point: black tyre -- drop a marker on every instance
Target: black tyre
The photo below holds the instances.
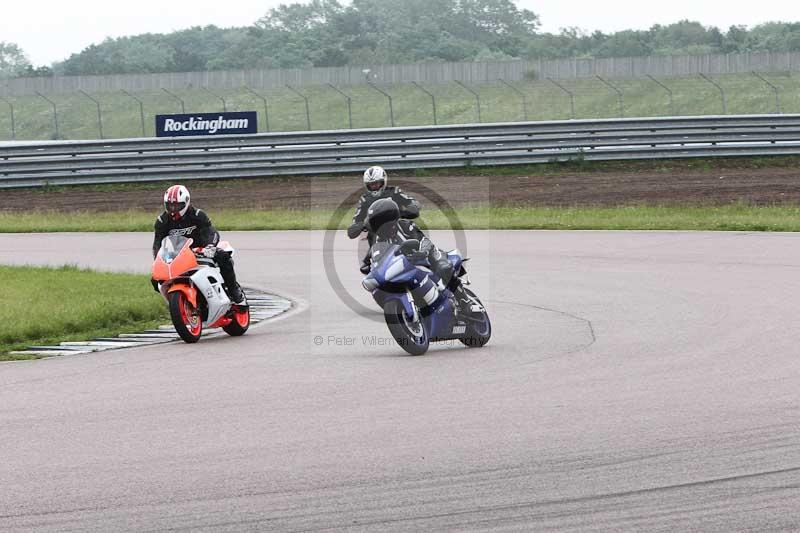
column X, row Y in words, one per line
column 411, row 336
column 240, row 322
column 185, row 317
column 479, row 327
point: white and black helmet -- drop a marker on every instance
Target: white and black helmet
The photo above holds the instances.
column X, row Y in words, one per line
column 375, row 180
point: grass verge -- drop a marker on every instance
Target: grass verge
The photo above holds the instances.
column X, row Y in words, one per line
column 731, row 217
column 327, row 109
column 42, row 306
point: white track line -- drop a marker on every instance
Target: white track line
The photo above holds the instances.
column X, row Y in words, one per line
column 263, row 306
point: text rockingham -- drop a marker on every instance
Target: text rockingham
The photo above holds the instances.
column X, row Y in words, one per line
column 210, row 126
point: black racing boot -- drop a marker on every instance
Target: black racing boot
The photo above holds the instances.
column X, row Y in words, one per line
column 237, row 295
column 366, row 264
column 225, row 263
column 463, row 299
column 233, row 289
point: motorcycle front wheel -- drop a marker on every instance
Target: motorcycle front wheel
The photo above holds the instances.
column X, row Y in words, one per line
column 410, row 335
column 185, row 317
column 479, row 327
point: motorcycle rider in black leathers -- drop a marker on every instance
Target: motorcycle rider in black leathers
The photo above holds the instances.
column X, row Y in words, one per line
column 182, row 218
column 383, row 219
column 375, row 179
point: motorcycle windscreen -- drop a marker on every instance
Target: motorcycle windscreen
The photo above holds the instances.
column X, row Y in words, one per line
column 380, row 251
column 171, row 247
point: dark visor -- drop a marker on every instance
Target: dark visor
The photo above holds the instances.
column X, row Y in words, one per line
column 375, row 185
column 175, row 207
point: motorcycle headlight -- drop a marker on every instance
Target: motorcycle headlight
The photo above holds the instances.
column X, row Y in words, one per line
column 369, row 283
column 396, row 268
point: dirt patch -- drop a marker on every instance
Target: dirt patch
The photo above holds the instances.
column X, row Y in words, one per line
column 664, row 185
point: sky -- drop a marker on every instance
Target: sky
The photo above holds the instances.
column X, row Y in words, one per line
column 51, row 30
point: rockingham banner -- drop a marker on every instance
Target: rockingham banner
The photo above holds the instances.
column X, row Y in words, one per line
column 207, row 124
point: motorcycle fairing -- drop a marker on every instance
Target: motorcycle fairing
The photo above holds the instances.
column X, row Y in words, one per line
column 208, row 281
column 395, row 277
column 184, row 287
column 455, row 258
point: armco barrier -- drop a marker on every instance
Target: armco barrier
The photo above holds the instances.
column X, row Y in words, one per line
column 226, row 157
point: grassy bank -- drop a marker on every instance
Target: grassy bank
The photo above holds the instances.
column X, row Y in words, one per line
column 733, row 217
column 77, row 114
column 42, row 306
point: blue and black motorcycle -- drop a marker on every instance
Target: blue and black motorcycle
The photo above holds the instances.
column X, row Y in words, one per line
column 418, row 307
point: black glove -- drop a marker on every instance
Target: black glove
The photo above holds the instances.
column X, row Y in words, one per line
column 426, row 245
column 417, row 256
column 422, row 253
column 355, row 229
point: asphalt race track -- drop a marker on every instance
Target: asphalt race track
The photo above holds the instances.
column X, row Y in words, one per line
column 635, row 382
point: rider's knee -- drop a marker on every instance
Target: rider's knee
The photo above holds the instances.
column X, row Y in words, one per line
column 445, row 269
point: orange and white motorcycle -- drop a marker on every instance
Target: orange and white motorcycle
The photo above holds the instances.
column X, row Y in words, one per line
column 192, row 285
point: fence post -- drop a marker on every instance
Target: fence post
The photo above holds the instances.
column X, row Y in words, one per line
column 522, row 94
column 305, row 99
column 477, row 98
column 55, row 113
column 178, row 98
column 433, row 100
column 616, row 90
column 774, row 88
column 141, row 108
column 263, row 99
column 669, row 93
column 721, row 92
column 99, row 113
column 349, row 103
column 569, row 93
column 13, row 124
column 389, row 97
column 220, row 98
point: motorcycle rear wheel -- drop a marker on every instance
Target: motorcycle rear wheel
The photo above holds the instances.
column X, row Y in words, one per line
column 411, row 337
column 185, row 317
column 240, row 322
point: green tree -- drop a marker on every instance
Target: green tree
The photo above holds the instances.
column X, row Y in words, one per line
column 335, row 33
column 625, row 43
column 569, row 42
column 775, row 37
column 303, row 34
column 13, row 61
column 735, row 40
column 676, row 38
column 36, row 72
